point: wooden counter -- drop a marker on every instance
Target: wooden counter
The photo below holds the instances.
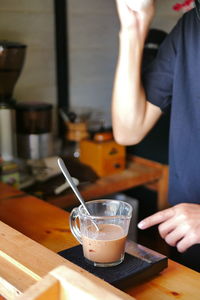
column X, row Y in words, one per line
column 49, row 226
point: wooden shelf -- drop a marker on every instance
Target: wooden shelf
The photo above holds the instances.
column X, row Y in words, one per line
column 139, row 171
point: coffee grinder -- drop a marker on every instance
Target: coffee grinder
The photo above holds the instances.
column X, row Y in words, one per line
column 34, row 130
column 12, row 57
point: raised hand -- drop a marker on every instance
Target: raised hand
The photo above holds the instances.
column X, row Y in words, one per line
column 135, row 15
column 139, row 5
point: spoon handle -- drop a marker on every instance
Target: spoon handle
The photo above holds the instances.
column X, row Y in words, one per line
column 71, row 183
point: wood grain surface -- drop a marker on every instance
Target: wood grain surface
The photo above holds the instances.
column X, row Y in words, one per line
column 49, row 226
column 139, row 171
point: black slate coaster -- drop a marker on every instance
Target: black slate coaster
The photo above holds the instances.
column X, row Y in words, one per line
column 131, row 271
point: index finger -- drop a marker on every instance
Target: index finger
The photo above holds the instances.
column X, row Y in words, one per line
column 156, row 218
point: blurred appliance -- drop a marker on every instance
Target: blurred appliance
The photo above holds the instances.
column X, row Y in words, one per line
column 34, row 125
column 11, row 62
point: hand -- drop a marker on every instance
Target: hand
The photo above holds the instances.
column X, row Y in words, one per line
column 133, row 12
column 179, row 225
column 138, row 5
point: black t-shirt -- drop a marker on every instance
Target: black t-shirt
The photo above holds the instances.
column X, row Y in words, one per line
column 173, row 79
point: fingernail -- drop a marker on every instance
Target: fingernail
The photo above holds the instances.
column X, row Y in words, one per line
column 141, row 225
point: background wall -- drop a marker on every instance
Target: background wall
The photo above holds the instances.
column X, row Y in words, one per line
column 32, row 23
column 93, row 42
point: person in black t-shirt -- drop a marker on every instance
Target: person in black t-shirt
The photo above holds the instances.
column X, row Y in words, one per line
column 139, row 100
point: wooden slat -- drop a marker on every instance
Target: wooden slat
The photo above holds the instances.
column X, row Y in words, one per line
column 11, row 261
column 70, row 285
column 47, row 289
column 8, row 290
column 34, row 261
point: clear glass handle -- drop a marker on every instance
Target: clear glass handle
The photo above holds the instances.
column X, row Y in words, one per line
column 73, row 225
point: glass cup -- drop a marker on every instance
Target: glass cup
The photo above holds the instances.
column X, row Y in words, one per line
column 102, row 233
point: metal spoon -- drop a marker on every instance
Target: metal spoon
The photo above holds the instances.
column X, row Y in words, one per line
column 73, row 186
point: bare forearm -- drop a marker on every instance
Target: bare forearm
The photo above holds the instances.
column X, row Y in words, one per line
column 129, row 101
column 133, row 116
